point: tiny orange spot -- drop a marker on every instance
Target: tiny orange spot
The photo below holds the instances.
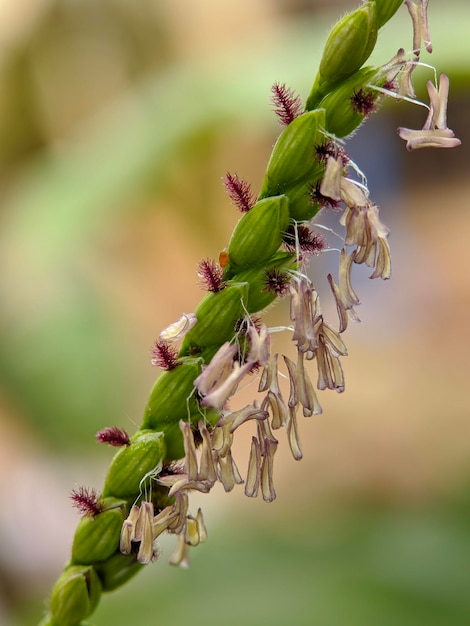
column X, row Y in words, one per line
column 223, row 258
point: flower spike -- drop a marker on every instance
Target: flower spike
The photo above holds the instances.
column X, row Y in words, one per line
column 185, row 442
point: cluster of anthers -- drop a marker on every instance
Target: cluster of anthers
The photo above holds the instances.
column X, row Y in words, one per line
column 208, row 457
column 435, row 132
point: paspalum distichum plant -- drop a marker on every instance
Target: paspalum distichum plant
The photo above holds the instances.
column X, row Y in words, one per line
column 184, row 441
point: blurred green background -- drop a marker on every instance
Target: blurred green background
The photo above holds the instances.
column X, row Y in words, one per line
column 117, row 121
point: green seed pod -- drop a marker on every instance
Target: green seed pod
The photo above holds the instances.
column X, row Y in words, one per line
column 347, row 48
column 216, row 315
column 75, row 596
column 132, row 463
column 117, row 570
column 259, row 298
column 171, row 399
column 386, row 9
column 301, row 207
column 258, row 234
column 97, row 538
column 293, row 154
column 343, row 116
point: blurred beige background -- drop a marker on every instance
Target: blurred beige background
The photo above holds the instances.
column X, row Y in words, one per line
column 117, row 121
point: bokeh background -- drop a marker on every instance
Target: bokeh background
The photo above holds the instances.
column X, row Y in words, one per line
column 117, row 121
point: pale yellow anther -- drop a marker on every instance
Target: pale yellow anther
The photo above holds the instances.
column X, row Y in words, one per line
column 177, row 330
column 330, row 186
column 307, row 396
column 191, row 531
column 228, row 473
column 180, row 553
column 207, row 471
column 264, row 429
column 163, row 520
column 341, row 309
column 254, row 470
column 144, row 533
column 267, row 478
column 293, row 435
column 128, row 530
column 190, row 458
column 347, row 294
column 259, row 345
column 293, row 393
column 201, row 526
column 181, row 506
column 237, row 418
